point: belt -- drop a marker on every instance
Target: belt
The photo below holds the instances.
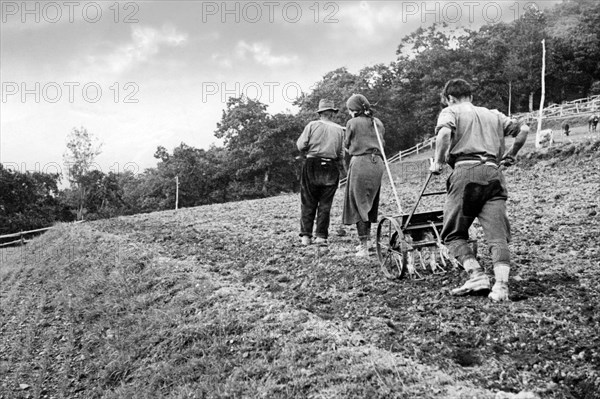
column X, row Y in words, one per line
column 321, row 159
column 475, row 162
column 369, row 153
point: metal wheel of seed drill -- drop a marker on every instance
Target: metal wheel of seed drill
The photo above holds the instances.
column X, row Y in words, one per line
column 407, row 240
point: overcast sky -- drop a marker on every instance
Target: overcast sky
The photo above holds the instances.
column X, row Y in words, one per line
column 146, row 73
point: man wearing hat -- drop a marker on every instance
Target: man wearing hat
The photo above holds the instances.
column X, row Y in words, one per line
column 322, row 142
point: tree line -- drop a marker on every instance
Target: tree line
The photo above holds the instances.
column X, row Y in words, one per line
column 259, row 157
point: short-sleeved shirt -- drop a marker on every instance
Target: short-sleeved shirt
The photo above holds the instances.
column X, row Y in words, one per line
column 476, row 131
column 322, row 139
column 360, row 137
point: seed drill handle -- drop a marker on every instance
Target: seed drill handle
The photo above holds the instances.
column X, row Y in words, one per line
column 387, row 167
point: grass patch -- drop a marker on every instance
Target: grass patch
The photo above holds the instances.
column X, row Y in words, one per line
column 96, row 316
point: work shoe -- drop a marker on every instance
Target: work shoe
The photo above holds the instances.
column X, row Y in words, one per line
column 479, row 283
column 499, row 292
column 363, row 253
column 320, row 241
column 306, row 240
column 363, row 249
column 360, row 247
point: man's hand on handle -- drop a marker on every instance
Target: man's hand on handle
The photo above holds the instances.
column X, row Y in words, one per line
column 508, row 161
column 435, row 168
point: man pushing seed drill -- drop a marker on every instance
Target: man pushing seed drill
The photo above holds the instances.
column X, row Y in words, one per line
column 471, row 140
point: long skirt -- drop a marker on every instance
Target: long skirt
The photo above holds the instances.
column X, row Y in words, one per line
column 361, row 201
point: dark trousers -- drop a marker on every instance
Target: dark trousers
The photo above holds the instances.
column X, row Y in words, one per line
column 476, row 192
column 319, row 183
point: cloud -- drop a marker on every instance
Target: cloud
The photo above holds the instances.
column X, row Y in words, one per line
column 261, row 53
column 222, row 60
column 145, row 43
column 367, row 21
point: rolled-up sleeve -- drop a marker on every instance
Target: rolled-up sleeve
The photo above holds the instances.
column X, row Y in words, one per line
column 302, row 142
column 511, row 127
column 447, row 118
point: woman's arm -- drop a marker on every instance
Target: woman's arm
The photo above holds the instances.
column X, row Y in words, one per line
column 348, row 134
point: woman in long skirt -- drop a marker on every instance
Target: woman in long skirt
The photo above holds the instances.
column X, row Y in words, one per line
column 361, row 202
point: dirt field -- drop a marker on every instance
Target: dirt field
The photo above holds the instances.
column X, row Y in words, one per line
column 221, row 301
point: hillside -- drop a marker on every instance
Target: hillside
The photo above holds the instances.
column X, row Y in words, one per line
column 221, row 301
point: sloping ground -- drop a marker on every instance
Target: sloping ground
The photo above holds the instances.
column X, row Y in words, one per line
column 163, row 312
column 222, row 301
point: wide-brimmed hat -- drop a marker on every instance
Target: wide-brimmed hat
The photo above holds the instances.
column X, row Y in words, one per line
column 326, row 105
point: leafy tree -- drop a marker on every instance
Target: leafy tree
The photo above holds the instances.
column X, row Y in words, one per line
column 279, row 151
column 337, row 85
column 29, row 201
column 146, row 192
column 194, row 170
column 112, row 196
column 529, row 31
column 426, row 60
column 575, row 52
column 377, row 83
column 82, row 149
column 503, row 61
column 257, row 143
column 103, row 195
column 204, row 177
column 222, row 174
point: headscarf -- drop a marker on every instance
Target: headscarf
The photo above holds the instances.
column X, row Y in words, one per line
column 359, row 104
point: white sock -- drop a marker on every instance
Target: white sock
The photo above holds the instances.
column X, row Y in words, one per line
column 501, row 272
column 471, row 265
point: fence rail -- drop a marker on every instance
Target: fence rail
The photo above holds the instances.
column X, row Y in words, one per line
column 22, row 235
column 582, row 106
column 404, row 153
column 413, row 150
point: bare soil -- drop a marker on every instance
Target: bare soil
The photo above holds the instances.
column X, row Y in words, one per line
column 223, row 301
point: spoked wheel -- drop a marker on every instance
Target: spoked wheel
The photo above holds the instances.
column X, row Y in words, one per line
column 390, row 251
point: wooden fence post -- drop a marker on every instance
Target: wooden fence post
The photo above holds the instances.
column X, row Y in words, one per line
column 541, row 113
column 176, row 192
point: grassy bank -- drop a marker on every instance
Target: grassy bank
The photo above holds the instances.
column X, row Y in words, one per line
column 90, row 314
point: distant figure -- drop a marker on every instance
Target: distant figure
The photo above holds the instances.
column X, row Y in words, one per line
column 471, row 140
column 361, row 202
column 593, row 123
column 322, row 142
column 565, row 127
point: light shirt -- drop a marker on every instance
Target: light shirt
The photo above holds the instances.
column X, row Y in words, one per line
column 322, row 139
column 476, row 131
